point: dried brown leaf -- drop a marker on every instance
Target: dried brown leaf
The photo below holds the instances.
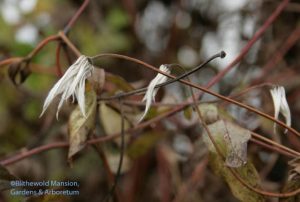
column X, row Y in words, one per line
column 235, row 154
column 80, row 126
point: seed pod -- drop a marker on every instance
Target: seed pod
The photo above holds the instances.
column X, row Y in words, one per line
column 19, row 71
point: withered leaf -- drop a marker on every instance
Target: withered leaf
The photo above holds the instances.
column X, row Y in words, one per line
column 111, row 120
column 295, row 171
column 19, row 71
column 235, row 156
column 234, row 138
column 80, row 126
column 293, row 181
column 119, row 82
column 98, row 79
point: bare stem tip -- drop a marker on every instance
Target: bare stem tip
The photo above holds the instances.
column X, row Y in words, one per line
column 222, row 54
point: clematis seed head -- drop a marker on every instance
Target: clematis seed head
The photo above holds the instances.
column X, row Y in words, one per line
column 280, row 105
column 71, row 84
column 152, row 91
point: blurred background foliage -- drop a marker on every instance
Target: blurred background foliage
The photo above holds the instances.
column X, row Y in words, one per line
column 158, row 32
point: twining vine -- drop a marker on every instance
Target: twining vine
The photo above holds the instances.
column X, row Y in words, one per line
column 22, row 65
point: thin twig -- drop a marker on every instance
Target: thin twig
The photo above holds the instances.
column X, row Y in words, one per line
column 76, row 16
column 41, row 45
column 278, row 55
column 134, row 92
column 69, row 43
column 9, row 61
column 236, row 95
column 25, row 154
column 58, row 67
column 247, row 47
column 122, row 149
column 110, row 175
column 204, row 89
column 235, row 174
column 67, row 53
column 270, row 147
column 32, row 53
column 271, row 142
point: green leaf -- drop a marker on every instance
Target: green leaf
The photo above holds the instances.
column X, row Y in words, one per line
column 80, row 126
column 235, row 154
column 5, row 179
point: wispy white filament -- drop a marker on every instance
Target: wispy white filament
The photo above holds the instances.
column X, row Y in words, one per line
column 72, row 83
column 280, row 105
column 152, row 91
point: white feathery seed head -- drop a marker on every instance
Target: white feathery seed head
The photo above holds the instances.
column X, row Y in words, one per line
column 72, row 83
column 280, row 105
column 152, row 91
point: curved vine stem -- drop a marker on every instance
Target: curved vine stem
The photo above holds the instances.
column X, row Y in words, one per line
column 252, row 109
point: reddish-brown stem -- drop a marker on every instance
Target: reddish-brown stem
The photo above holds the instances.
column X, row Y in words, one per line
column 157, row 104
column 31, row 152
column 58, row 67
column 270, row 147
column 247, row 47
column 199, row 88
column 32, row 53
column 271, row 142
column 234, row 172
column 69, row 44
column 76, row 16
column 53, row 38
column 262, row 192
column 278, row 55
column 41, row 45
column 22, row 155
column 9, row 61
column 67, row 54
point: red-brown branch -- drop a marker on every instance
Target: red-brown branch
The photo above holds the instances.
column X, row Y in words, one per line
column 58, row 67
column 203, row 89
column 41, row 45
column 279, row 54
column 76, row 16
column 247, row 47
